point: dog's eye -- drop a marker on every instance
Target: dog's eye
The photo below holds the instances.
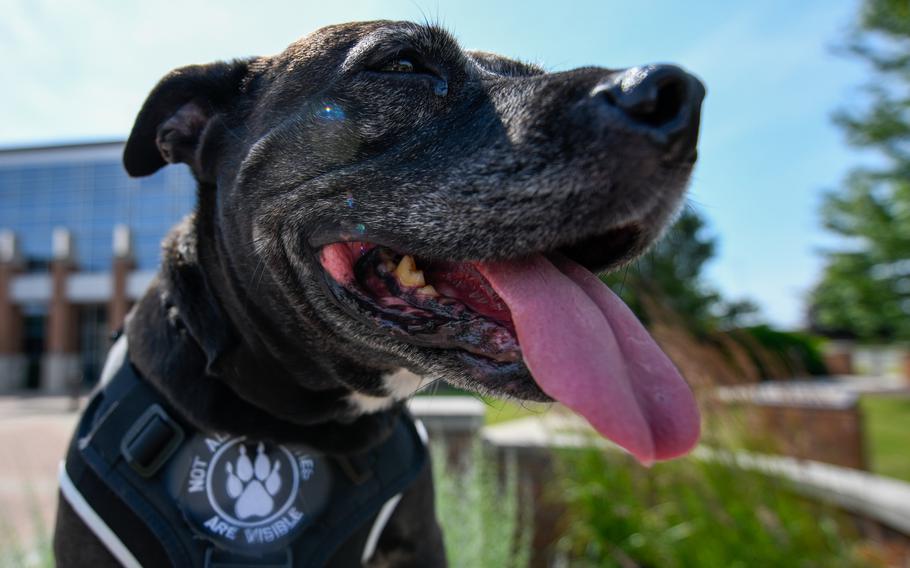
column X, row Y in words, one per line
column 405, row 62
column 412, row 65
column 400, row 65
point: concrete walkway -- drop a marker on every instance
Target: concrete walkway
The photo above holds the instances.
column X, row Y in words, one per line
column 34, row 432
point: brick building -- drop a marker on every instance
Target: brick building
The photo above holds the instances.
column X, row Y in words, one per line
column 79, row 242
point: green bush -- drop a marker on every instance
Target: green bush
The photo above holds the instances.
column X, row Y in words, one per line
column 479, row 511
column 693, row 513
column 801, row 353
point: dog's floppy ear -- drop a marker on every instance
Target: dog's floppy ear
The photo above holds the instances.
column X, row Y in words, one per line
column 171, row 125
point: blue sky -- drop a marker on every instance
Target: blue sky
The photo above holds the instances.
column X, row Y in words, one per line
column 79, row 70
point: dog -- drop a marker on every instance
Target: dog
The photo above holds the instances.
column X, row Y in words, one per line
column 374, row 198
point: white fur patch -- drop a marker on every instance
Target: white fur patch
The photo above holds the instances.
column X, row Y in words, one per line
column 400, row 385
column 366, row 404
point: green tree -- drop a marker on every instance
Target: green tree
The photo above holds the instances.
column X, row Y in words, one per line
column 666, row 287
column 670, row 277
column 865, row 288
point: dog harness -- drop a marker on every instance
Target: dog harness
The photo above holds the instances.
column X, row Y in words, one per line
column 158, row 492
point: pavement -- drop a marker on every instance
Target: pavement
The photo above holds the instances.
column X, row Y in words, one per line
column 34, row 431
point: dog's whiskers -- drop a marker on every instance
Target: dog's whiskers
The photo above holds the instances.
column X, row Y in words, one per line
column 625, row 273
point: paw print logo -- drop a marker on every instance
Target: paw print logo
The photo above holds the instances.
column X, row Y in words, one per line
column 252, row 497
column 253, row 483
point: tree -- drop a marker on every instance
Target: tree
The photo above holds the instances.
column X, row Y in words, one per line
column 670, row 277
column 713, row 340
column 865, row 288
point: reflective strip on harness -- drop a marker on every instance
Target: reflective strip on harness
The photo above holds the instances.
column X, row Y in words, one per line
column 95, row 523
column 381, row 519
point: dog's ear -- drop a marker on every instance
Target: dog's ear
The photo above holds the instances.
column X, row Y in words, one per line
column 172, row 123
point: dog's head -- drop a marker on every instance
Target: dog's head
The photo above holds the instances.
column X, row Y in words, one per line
column 378, row 194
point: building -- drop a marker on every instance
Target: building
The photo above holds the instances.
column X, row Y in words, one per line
column 79, row 243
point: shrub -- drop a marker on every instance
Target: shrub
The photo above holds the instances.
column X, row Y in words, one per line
column 800, row 352
column 693, row 513
column 480, row 513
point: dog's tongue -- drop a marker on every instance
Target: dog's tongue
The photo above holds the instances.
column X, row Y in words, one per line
column 586, row 349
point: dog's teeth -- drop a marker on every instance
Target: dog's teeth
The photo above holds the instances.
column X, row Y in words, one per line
column 428, row 290
column 407, row 273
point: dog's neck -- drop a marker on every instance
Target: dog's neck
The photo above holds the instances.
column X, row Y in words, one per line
column 221, row 380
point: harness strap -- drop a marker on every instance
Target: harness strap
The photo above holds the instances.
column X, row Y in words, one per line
column 132, row 474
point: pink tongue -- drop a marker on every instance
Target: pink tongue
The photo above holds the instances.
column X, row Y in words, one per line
column 586, row 349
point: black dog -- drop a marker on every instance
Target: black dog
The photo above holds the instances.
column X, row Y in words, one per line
column 371, row 199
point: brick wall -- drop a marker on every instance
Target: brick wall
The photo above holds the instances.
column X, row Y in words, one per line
column 830, row 435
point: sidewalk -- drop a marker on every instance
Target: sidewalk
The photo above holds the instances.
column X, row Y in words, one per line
column 34, row 432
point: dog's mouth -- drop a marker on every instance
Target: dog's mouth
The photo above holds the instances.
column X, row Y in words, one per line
column 447, row 305
column 442, row 304
column 577, row 339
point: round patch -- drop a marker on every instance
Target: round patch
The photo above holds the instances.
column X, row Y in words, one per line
column 253, row 497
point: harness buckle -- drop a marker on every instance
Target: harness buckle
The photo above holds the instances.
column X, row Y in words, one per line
column 151, row 441
column 215, row 558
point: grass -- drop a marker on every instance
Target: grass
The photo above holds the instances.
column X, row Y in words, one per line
column 480, row 511
column 695, row 513
column 624, row 515
column 499, row 411
column 888, row 435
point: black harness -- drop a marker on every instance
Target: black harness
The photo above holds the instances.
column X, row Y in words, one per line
column 158, row 492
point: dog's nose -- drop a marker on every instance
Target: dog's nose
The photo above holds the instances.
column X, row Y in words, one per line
column 664, row 100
